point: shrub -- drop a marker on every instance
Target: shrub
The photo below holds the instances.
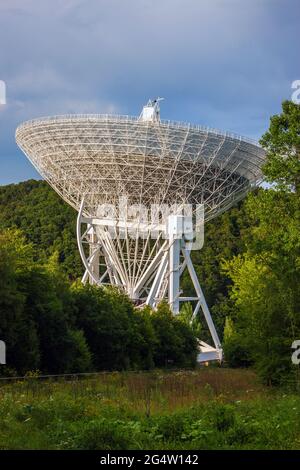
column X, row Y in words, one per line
column 101, row 435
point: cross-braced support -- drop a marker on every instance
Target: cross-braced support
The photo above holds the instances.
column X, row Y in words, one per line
column 158, row 273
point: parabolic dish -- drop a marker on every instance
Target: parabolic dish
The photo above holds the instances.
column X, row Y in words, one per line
column 163, row 162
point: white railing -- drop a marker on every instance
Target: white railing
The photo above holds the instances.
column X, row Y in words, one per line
column 124, row 118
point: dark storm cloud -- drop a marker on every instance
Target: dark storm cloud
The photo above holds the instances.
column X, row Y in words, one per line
column 224, row 63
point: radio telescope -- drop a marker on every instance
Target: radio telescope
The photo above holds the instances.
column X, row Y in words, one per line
column 115, row 169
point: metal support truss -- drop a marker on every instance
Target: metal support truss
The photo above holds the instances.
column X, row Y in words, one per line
column 159, row 273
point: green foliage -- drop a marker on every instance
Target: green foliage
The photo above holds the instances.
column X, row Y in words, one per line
column 176, row 343
column 266, row 277
column 102, row 434
column 119, row 336
column 104, row 413
column 106, row 328
column 223, row 417
column 79, row 355
column 235, row 345
column 36, row 318
column 45, row 220
column 56, row 327
column 282, row 143
column 186, row 316
column 18, row 330
column 266, row 298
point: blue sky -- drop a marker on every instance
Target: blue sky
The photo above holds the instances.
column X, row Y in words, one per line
column 222, row 63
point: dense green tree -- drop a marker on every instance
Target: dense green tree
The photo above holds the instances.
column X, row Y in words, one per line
column 266, row 278
column 36, row 311
column 78, row 357
column 122, row 337
column 142, row 340
column 282, row 143
column 104, row 316
column 55, row 327
column 176, row 344
column 186, row 316
column 236, row 346
column 17, row 330
column 45, row 220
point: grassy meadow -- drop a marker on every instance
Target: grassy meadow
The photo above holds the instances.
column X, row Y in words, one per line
column 210, row 408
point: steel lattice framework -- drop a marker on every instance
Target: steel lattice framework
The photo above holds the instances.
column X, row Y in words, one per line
column 103, row 156
column 92, row 160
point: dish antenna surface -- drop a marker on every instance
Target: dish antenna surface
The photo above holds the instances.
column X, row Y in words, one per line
column 141, row 187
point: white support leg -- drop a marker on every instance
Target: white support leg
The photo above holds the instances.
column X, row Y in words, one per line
column 202, row 301
column 94, row 255
column 175, row 234
column 174, row 275
column 86, row 263
column 152, row 296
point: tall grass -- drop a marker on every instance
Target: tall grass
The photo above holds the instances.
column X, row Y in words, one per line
column 156, row 391
column 208, row 408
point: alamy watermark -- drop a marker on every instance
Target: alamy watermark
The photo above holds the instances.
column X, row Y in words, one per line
column 2, row 352
column 296, row 94
column 134, row 221
column 2, row 92
column 296, row 353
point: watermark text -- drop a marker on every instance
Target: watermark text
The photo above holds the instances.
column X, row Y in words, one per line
column 2, row 93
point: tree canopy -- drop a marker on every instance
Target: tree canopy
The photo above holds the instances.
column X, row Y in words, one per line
column 55, row 326
column 266, row 276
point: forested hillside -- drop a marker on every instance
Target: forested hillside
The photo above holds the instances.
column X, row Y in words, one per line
column 45, row 220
